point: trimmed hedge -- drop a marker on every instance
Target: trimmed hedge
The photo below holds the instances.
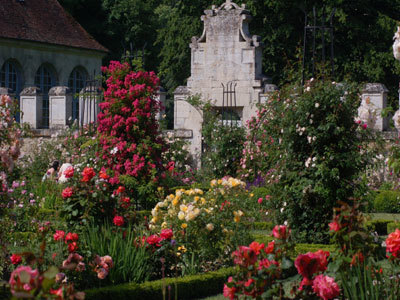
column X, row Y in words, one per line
column 259, row 225
column 188, row 287
column 392, row 226
column 387, row 202
column 380, row 226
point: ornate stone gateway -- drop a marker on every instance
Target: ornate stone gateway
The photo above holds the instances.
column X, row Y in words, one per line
column 225, row 52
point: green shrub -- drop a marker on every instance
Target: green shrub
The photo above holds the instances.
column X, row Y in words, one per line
column 387, row 202
column 306, row 136
column 188, row 287
column 392, row 226
column 259, row 225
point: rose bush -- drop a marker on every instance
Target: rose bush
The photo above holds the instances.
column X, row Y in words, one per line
column 206, row 223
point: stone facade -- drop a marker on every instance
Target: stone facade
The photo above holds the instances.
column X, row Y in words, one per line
column 225, row 52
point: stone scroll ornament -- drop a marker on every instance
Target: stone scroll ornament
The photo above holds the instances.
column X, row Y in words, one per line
column 396, row 54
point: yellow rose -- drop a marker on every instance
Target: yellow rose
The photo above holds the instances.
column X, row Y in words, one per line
column 184, row 225
column 210, row 227
column 181, row 215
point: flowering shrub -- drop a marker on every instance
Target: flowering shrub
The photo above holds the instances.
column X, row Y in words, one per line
column 206, row 223
column 308, row 147
column 260, row 269
column 128, row 132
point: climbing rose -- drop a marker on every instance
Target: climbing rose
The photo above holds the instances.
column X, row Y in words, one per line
column 59, row 235
column 15, row 259
column 118, row 221
column 67, row 192
column 325, row 287
column 393, row 243
column 87, row 174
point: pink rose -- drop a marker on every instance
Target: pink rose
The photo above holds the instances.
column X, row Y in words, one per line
column 325, row 287
column 166, row 234
column 16, row 259
column 67, row 192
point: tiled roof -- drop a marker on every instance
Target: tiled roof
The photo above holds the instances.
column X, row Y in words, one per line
column 43, row 21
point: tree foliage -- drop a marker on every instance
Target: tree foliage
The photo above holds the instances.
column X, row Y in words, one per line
column 362, row 35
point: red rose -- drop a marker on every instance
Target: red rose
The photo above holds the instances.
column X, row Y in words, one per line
column 230, row 292
column 118, row 221
column 270, row 248
column 120, row 190
column 393, row 243
column 154, row 240
column 257, row 247
column 87, row 174
column 15, row 259
column 103, row 175
column 69, row 172
column 59, row 235
column 280, row 232
column 166, row 234
column 71, row 237
column 67, row 192
column 72, row 247
column 334, row 226
column 310, row 263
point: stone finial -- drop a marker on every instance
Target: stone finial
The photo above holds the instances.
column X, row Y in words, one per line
column 181, row 90
column 59, row 91
column 31, row 91
column 374, row 88
column 228, row 5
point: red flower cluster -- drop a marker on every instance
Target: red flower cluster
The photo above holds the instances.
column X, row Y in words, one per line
column 393, row 243
column 70, row 239
column 118, row 221
column 59, row 235
column 155, row 240
column 309, row 264
column 67, row 192
column 87, row 174
column 16, row 259
column 255, row 268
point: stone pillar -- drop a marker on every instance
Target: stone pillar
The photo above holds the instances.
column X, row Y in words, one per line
column 190, row 118
column 161, row 97
column 31, row 99
column 89, row 98
column 374, row 99
column 60, row 107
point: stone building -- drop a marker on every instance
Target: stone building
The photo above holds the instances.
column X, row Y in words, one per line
column 225, row 52
column 42, row 47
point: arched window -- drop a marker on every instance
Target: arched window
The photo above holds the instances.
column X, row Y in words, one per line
column 76, row 82
column 45, row 79
column 10, row 77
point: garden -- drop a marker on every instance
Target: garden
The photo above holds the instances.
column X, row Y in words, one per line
column 302, row 204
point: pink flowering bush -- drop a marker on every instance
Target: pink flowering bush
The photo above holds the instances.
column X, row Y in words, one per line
column 131, row 144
